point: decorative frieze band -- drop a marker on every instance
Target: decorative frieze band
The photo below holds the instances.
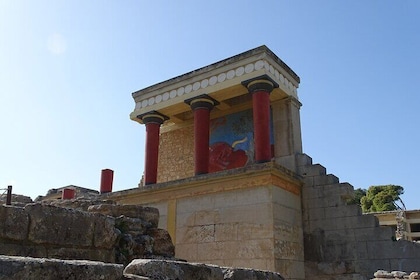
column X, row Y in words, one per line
column 213, row 80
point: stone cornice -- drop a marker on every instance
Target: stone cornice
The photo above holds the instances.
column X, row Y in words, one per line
column 225, row 73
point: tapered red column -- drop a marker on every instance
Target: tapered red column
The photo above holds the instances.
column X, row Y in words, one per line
column 201, row 106
column 152, row 120
column 260, row 90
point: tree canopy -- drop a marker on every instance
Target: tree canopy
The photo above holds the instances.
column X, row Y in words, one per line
column 378, row 198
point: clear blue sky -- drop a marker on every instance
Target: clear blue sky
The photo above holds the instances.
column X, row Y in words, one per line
column 68, row 68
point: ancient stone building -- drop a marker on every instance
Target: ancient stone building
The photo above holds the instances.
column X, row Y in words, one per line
column 225, row 167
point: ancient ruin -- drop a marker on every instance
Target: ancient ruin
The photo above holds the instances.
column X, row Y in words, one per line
column 226, row 187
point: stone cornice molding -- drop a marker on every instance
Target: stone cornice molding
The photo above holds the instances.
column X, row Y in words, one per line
column 215, row 77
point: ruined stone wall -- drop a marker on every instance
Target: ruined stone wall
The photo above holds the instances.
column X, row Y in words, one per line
column 340, row 242
column 176, row 154
column 108, row 233
column 47, row 231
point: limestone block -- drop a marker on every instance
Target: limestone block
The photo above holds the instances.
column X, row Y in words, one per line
column 15, row 223
column 346, row 234
column 163, row 269
column 17, row 268
column 206, row 217
column 217, row 251
column 312, row 170
column 287, row 250
column 104, row 232
column 374, row 233
column 255, row 249
column 311, row 193
column 242, row 197
column 246, row 231
column 147, row 214
column 131, row 225
column 291, row 269
column 249, row 274
column 59, row 226
column 414, row 275
column 342, row 211
column 288, row 232
column 103, row 255
column 285, row 198
column 383, row 274
column 325, row 180
column 368, row 267
column 23, row 250
column 196, row 234
column 186, row 251
column 410, row 262
column 308, row 182
column 262, row 213
column 303, row 160
column 197, row 203
column 342, row 190
column 162, row 242
column 263, row 264
column 226, row 232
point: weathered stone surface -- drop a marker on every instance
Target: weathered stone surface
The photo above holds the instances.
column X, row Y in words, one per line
column 414, row 275
column 249, row 274
column 162, row 244
column 104, row 233
column 131, row 225
column 17, row 268
column 15, row 223
column 169, row 270
column 81, row 204
column 147, row 214
column 56, row 225
column 17, row 200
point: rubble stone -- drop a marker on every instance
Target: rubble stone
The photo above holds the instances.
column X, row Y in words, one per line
column 17, row 268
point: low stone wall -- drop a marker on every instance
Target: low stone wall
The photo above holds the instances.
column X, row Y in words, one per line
column 107, row 233
column 46, row 231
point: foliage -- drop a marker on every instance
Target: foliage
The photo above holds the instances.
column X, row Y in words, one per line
column 381, row 198
column 358, row 194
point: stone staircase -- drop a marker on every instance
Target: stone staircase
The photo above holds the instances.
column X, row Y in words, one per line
column 340, row 242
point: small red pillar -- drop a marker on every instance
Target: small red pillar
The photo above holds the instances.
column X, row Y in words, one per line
column 68, row 193
column 107, row 177
column 201, row 106
column 152, row 120
column 260, row 90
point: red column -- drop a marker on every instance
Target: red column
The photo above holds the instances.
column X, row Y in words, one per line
column 68, row 193
column 152, row 121
column 107, row 177
column 201, row 106
column 260, row 90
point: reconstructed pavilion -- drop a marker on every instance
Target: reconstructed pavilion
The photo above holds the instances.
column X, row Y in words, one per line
column 225, row 167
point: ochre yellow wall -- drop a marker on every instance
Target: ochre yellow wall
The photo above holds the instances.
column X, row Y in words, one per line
column 176, row 155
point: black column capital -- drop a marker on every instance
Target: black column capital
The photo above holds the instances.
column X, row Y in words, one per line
column 153, row 117
column 264, row 83
column 202, row 101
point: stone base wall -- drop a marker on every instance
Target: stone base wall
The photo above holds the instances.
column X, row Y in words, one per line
column 340, row 242
column 249, row 217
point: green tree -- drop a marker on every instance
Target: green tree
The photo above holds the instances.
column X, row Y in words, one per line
column 358, row 194
column 381, row 198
